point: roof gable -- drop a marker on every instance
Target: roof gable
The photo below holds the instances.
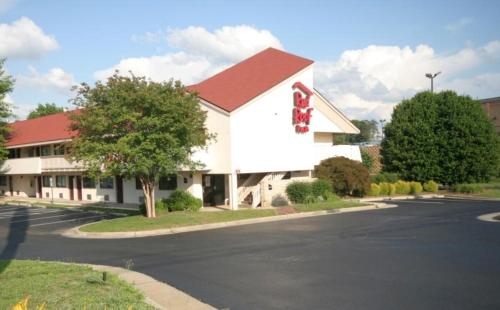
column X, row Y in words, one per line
column 239, row 84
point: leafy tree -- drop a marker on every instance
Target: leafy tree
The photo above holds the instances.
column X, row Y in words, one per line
column 443, row 137
column 367, row 159
column 368, row 129
column 44, row 109
column 6, row 86
column 133, row 127
column 348, row 177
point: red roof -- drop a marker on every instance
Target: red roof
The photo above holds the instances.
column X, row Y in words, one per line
column 237, row 85
column 42, row 129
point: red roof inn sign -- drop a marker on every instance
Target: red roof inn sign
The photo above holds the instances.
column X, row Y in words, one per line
column 301, row 109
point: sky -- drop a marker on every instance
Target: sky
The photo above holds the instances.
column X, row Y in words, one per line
column 369, row 55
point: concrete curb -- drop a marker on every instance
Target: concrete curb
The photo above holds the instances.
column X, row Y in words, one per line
column 490, row 217
column 470, row 197
column 76, row 233
column 406, row 197
column 158, row 294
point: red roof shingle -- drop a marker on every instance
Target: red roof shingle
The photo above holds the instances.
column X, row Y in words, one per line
column 42, row 129
column 237, row 85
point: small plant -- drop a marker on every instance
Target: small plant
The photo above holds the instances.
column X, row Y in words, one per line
column 374, row 190
column 416, row 188
column 182, row 201
column 467, row 188
column 320, row 187
column 298, row 192
column 311, row 199
column 279, row 201
column 329, row 196
column 431, row 186
column 403, row 187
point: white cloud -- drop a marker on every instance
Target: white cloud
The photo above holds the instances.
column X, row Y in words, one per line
column 381, row 76
column 459, row 24
column 55, row 79
column 149, row 37
column 24, row 39
column 202, row 53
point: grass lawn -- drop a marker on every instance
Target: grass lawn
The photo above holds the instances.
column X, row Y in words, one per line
column 178, row 219
column 64, row 286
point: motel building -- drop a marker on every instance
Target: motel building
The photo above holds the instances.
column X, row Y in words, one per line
column 272, row 127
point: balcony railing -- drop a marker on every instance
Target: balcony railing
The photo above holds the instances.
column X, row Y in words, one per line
column 28, row 165
column 58, row 163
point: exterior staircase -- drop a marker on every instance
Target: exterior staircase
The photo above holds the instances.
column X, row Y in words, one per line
column 253, row 185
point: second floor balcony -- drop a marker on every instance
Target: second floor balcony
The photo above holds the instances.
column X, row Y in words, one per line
column 37, row 165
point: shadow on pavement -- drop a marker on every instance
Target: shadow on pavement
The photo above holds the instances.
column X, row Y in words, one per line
column 19, row 224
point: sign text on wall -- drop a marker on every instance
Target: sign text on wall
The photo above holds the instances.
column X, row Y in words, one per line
column 301, row 110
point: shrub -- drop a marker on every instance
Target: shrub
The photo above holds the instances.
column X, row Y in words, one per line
column 416, row 188
column 312, row 199
column 320, row 187
column 374, row 190
column 297, row 192
column 402, row 187
column 392, row 189
column 348, row 177
column 431, row 186
column 182, row 201
column 279, row 201
column 467, row 188
column 329, row 196
column 159, row 207
column 387, row 177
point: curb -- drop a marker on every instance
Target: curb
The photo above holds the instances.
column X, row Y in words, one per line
column 158, row 294
column 406, row 197
column 490, row 217
column 76, row 233
column 471, row 197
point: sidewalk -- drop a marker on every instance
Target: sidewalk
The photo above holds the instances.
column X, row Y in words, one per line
column 158, row 294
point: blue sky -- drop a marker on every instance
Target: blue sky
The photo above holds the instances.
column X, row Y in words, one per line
column 369, row 54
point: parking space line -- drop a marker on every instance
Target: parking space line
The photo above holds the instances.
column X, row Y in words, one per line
column 45, row 217
column 71, row 220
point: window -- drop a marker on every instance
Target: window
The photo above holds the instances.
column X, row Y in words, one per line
column 46, row 150
column 138, row 184
column 168, row 182
column 14, row 153
column 60, row 181
column 3, row 180
column 58, row 149
column 88, row 182
column 46, row 180
column 106, row 183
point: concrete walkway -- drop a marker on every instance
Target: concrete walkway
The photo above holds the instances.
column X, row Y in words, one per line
column 158, row 294
column 76, row 233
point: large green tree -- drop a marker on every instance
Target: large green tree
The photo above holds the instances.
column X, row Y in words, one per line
column 443, row 137
column 133, row 127
column 44, row 109
column 367, row 131
column 6, row 86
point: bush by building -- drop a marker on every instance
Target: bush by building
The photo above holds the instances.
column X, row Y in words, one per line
column 348, row 177
column 279, row 201
column 416, row 188
column 403, row 187
column 320, row 188
column 366, row 159
column 374, row 190
column 182, row 201
column 298, row 192
column 467, row 188
column 388, row 177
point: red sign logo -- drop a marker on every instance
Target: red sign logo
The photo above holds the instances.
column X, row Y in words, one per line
column 301, row 111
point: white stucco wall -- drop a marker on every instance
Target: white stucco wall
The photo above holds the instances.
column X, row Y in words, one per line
column 263, row 137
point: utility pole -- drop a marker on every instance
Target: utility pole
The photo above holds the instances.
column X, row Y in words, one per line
column 432, row 76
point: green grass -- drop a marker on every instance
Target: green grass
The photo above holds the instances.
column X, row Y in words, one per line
column 327, row 205
column 108, row 210
column 64, row 286
column 174, row 219
column 179, row 219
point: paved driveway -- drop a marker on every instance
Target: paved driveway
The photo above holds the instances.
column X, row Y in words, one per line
column 426, row 254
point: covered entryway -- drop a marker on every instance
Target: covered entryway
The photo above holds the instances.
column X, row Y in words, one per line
column 213, row 189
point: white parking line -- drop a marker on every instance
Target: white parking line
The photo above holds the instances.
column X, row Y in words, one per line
column 45, row 217
column 72, row 220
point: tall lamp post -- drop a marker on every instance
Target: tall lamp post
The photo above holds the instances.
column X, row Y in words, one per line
column 432, row 76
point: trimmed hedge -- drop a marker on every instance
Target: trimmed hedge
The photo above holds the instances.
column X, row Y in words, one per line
column 374, row 190
column 431, row 186
column 467, row 188
column 403, row 187
column 416, row 188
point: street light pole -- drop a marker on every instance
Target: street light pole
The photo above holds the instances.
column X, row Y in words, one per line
column 432, row 76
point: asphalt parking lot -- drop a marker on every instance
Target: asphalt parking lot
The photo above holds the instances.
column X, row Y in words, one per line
column 38, row 219
column 424, row 254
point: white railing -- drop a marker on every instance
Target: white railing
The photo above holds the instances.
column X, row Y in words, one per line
column 324, row 151
column 253, row 185
column 58, row 163
column 27, row 165
column 248, row 185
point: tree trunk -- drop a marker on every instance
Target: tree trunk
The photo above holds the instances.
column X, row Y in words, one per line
column 148, row 188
